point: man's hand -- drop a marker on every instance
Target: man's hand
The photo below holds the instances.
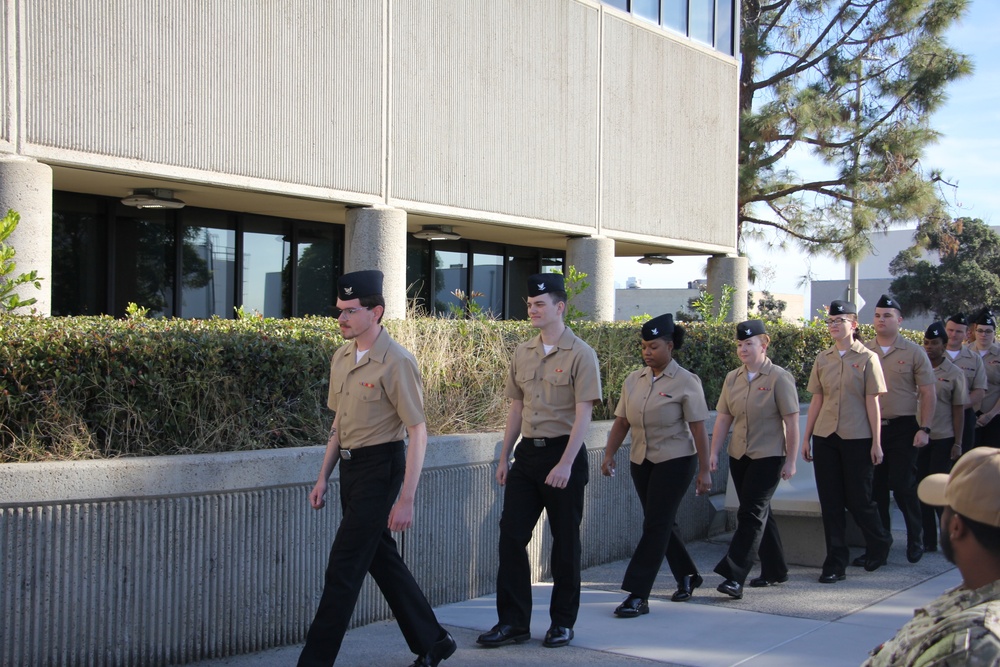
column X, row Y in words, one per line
column 876, row 454
column 318, row 495
column 502, row 467
column 806, row 451
column 558, row 477
column 608, row 466
column 788, row 470
column 401, row 515
column 703, row 484
column 921, row 439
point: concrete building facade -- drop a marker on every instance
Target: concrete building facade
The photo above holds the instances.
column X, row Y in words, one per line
column 310, row 137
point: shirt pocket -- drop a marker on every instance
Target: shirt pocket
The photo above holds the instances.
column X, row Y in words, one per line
column 366, row 399
column 557, row 388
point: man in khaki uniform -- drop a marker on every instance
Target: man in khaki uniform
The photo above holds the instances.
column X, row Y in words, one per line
column 960, row 628
column 975, row 373
column 908, row 374
column 987, row 423
column 376, row 393
column 946, row 429
column 553, row 384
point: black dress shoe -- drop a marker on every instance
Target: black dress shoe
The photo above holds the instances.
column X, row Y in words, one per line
column 732, row 588
column 831, row 578
column 873, row 564
column 914, row 553
column 860, row 561
column 686, row 587
column 502, row 634
column 442, row 649
column 761, row 582
column 632, row 606
column 557, row 636
column 930, row 548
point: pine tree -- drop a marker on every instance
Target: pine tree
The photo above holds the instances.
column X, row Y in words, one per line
column 851, row 83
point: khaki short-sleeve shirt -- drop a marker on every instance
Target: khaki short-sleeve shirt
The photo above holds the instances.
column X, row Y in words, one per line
column 905, row 367
column 659, row 410
column 377, row 397
column 991, row 365
column 550, row 385
column 951, row 390
column 844, row 383
column 757, row 407
column 970, row 364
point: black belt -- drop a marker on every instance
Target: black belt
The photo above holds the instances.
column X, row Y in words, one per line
column 889, row 422
column 547, row 442
column 362, row 452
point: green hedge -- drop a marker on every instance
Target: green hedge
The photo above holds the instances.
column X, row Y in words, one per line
column 97, row 387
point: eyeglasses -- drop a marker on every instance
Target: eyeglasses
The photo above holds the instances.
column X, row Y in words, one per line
column 836, row 321
column 337, row 312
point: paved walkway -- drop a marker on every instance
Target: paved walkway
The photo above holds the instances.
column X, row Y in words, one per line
column 799, row 622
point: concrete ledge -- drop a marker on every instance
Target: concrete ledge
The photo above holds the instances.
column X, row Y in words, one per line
column 169, row 560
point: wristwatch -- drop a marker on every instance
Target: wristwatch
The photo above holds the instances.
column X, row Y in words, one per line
column 926, row 429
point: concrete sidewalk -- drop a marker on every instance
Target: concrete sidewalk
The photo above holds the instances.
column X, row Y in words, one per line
column 799, row 622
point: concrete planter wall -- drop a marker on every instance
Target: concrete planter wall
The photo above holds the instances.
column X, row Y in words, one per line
column 167, row 560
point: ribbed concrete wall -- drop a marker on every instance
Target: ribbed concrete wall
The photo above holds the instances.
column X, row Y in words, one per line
column 668, row 164
column 282, row 91
column 175, row 559
column 7, row 77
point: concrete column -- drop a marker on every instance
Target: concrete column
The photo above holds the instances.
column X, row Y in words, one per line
column 595, row 256
column 26, row 187
column 375, row 238
column 730, row 271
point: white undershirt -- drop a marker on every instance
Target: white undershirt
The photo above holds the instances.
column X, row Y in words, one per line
column 548, row 348
column 982, row 353
column 360, row 355
column 842, row 352
column 885, row 348
column 953, row 353
column 751, row 375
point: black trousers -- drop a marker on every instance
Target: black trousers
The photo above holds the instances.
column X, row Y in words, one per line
column 756, row 530
column 898, row 473
column 369, row 485
column 525, row 496
column 934, row 458
column 989, row 435
column 844, row 484
column 661, row 487
column 969, row 430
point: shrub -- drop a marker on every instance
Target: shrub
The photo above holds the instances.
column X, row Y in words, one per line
column 97, row 387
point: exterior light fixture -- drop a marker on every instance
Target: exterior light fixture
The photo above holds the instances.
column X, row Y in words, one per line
column 654, row 258
column 437, row 233
column 153, row 198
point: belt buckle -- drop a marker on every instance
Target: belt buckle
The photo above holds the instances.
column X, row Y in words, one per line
column 345, row 454
column 538, row 442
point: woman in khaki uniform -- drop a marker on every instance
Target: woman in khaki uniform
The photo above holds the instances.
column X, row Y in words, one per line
column 664, row 407
column 987, row 424
column 845, row 384
column 946, row 427
column 762, row 452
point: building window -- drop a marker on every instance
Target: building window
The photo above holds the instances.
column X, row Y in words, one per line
column 208, row 264
column 435, row 269
column 708, row 21
column 79, row 255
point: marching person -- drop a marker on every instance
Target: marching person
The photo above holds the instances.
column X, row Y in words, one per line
column 945, row 446
column 760, row 402
column 376, row 393
column 975, row 374
column 960, row 627
column 845, row 382
column 553, row 384
column 664, row 407
column 908, row 376
column 987, row 425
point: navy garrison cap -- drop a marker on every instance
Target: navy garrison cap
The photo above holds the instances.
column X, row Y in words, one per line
column 887, row 302
column 959, row 318
column 986, row 318
column 749, row 329
column 661, row 326
column 543, row 283
column 936, row 330
column 359, row 284
column 839, row 307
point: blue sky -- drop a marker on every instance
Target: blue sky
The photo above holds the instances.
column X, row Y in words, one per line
column 968, row 154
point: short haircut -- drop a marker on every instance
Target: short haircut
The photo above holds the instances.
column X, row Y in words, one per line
column 985, row 534
column 371, row 301
column 558, row 296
